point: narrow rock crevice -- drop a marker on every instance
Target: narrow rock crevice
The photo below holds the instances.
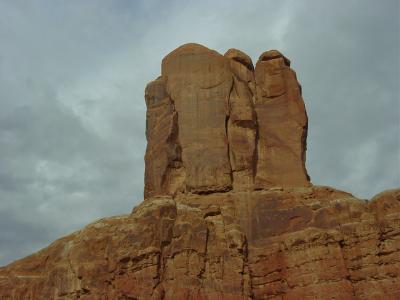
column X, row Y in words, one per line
column 162, row 258
column 201, row 274
column 227, row 124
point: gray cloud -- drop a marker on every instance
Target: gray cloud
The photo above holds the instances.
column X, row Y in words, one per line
column 72, row 75
column 350, row 74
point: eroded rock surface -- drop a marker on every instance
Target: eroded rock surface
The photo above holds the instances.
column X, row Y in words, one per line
column 293, row 243
column 229, row 212
column 216, row 124
column 282, row 121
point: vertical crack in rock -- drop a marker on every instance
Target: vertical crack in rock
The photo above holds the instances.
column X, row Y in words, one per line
column 166, row 237
column 304, row 147
column 246, row 282
column 229, row 150
column 253, row 91
column 227, row 124
column 205, row 258
column 173, row 181
column 73, row 283
column 242, row 124
column 255, row 152
column 342, row 247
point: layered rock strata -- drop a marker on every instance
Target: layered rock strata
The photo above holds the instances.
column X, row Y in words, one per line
column 214, row 123
column 292, row 243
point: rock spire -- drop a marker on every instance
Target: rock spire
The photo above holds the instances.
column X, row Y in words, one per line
column 215, row 123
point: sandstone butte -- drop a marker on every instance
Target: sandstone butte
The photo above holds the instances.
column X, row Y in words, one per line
column 229, row 210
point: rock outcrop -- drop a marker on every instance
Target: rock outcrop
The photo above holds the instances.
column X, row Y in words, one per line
column 293, row 243
column 214, row 124
column 282, row 123
column 229, row 210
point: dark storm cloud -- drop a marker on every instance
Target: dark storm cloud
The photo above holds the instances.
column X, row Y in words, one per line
column 72, row 118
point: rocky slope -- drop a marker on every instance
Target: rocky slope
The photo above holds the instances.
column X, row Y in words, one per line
column 229, row 211
column 293, row 243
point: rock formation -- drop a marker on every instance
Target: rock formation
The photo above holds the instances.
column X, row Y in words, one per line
column 215, row 124
column 229, row 212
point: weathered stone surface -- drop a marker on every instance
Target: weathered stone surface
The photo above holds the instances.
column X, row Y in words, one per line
column 282, row 123
column 242, row 122
column 199, row 82
column 229, row 210
column 292, row 243
column 164, row 172
column 216, row 124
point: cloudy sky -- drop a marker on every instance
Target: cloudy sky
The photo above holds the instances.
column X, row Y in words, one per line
column 72, row 78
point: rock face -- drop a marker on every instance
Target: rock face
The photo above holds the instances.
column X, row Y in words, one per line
column 229, row 210
column 282, row 123
column 292, row 243
column 215, row 124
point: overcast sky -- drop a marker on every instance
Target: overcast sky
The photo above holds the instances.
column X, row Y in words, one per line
column 72, row 79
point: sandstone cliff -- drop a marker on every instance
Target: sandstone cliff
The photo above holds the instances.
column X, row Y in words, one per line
column 214, row 123
column 229, row 212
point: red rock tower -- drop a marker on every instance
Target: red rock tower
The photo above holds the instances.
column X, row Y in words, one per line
column 214, row 123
